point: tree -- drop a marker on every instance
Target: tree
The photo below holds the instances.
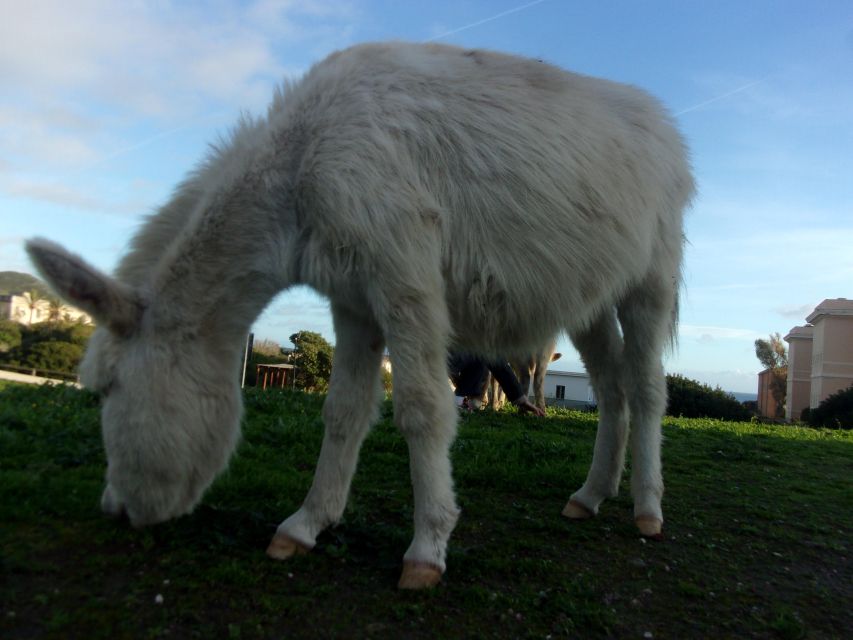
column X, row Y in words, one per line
column 267, row 347
column 56, row 346
column 78, row 333
column 55, row 310
column 313, row 359
column 32, row 299
column 773, row 355
column 10, row 335
column 54, row 356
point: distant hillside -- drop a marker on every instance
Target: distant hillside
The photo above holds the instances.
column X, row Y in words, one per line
column 16, row 282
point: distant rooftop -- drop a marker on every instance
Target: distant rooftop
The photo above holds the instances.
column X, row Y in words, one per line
column 831, row 307
column 572, row 374
column 806, row 332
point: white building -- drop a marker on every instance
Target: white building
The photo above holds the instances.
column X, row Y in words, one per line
column 20, row 309
column 568, row 389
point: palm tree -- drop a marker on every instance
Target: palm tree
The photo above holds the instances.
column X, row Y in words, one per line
column 32, row 299
column 55, row 309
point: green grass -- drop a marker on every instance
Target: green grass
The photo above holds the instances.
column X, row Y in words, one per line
column 758, row 532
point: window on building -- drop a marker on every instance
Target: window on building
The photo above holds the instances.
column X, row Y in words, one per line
column 561, row 392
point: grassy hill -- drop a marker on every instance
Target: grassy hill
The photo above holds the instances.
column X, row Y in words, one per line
column 17, row 282
column 757, row 538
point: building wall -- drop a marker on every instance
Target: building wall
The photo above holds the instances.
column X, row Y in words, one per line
column 13, row 307
column 799, row 371
column 832, row 356
column 578, row 390
column 766, row 402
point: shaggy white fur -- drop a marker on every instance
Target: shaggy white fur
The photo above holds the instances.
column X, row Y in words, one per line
column 439, row 197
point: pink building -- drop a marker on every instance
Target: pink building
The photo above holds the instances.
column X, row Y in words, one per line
column 799, row 341
column 832, row 348
column 820, row 360
column 766, row 402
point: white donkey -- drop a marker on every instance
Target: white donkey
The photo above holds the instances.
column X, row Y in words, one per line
column 439, row 197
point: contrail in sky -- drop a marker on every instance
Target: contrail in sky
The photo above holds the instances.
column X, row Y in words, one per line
column 722, row 97
column 485, row 20
column 522, row 7
column 139, row 145
column 164, row 134
column 535, row 2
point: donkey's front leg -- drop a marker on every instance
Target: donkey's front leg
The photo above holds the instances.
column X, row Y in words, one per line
column 601, row 348
column 348, row 413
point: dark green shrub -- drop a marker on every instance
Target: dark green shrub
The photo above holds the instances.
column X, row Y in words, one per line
column 836, row 412
column 312, row 356
column 53, row 356
column 692, row 399
column 48, row 346
column 10, row 335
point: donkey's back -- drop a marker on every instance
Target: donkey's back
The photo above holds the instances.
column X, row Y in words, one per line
column 527, row 178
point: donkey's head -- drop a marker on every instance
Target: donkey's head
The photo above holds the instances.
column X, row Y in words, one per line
column 171, row 405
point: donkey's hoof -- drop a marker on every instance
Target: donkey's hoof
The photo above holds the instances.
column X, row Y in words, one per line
column 574, row 510
column 283, row 547
column 650, row 527
column 419, row 575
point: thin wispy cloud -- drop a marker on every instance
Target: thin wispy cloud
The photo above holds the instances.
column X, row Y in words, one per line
column 796, row 312
column 497, row 16
column 721, row 97
column 86, row 83
column 716, row 333
column 69, row 197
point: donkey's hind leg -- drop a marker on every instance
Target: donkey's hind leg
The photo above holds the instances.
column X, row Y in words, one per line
column 646, row 316
column 350, row 409
column 601, row 347
column 416, row 326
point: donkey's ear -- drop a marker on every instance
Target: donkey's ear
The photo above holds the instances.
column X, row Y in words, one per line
column 110, row 302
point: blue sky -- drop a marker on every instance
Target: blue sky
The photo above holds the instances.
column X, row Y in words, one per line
column 106, row 105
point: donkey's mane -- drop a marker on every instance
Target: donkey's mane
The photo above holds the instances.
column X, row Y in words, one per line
column 161, row 233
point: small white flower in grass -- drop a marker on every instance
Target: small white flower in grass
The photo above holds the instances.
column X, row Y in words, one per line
column 648, row 635
column 158, row 599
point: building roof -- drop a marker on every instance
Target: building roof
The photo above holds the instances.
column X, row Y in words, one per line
column 831, row 307
column 805, row 333
column 570, row 374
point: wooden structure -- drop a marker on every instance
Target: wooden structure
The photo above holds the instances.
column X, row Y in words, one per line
column 276, row 375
